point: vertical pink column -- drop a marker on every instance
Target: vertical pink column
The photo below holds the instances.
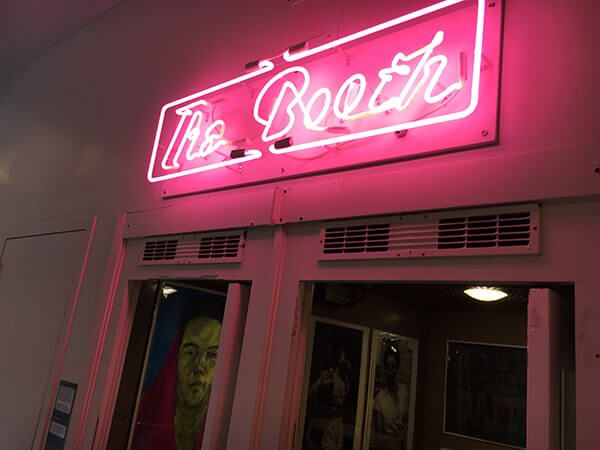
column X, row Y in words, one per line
column 543, row 370
column 587, row 329
column 226, row 370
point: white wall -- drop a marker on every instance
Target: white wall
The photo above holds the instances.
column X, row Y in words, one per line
column 77, row 128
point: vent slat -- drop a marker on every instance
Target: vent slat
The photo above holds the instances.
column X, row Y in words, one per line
column 431, row 239
column 414, row 246
column 470, row 232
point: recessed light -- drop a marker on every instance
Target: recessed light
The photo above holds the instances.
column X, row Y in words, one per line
column 485, row 294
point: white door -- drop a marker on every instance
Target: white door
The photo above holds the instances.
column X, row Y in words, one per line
column 35, row 294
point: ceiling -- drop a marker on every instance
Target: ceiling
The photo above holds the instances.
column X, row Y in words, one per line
column 449, row 297
column 28, row 28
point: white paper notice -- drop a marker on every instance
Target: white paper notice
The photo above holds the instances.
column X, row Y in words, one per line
column 58, row 430
column 64, row 399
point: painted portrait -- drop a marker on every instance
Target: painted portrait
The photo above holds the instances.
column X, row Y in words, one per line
column 173, row 402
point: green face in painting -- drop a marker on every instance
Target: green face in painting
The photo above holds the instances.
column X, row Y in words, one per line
column 196, row 361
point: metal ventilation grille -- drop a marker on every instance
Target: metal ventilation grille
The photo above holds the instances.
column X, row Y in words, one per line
column 357, row 239
column 488, row 231
column 160, row 250
column 194, row 249
column 497, row 230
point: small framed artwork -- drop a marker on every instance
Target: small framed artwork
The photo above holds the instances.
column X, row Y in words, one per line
column 486, row 392
column 331, row 414
column 391, row 393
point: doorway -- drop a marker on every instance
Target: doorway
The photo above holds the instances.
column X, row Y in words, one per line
column 181, row 364
column 423, row 366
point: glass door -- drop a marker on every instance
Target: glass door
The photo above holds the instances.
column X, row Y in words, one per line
column 410, row 366
column 190, row 335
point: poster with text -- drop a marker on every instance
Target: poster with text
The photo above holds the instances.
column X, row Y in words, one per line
column 486, row 392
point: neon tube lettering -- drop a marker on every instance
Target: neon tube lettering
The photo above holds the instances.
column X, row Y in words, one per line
column 291, row 100
column 474, row 99
column 402, row 101
column 352, row 90
column 297, row 99
column 212, row 140
column 264, row 66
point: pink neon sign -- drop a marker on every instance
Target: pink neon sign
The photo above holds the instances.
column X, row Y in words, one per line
column 394, row 76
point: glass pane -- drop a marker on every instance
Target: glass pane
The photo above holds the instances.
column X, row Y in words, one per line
column 392, row 392
column 179, row 371
column 486, row 392
column 333, row 388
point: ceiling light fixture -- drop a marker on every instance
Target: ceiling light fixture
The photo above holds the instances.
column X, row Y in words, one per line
column 168, row 290
column 485, row 294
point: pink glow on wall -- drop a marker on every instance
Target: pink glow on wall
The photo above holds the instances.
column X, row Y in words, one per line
column 420, row 75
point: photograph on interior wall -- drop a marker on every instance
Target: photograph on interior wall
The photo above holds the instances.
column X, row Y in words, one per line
column 486, row 392
column 390, row 413
column 331, row 412
column 178, row 374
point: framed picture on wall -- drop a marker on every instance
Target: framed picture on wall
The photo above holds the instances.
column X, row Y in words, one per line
column 486, row 392
column 391, row 396
column 331, row 413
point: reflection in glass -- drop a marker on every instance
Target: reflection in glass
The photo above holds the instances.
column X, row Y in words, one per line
column 392, row 391
column 333, row 389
